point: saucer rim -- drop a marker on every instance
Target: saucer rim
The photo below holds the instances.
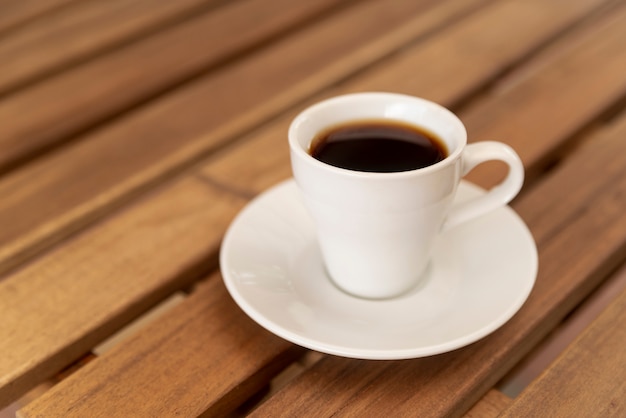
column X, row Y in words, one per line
column 368, row 353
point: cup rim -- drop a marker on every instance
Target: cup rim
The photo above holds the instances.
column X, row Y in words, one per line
column 303, row 154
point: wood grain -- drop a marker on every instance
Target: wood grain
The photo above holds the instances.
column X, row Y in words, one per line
column 213, row 355
column 34, row 119
column 14, row 13
column 489, row 406
column 546, row 108
column 545, row 353
column 60, row 306
column 150, row 143
column 568, row 272
column 236, row 170
column 589, row 375
column 482, row 47
column 79, row 30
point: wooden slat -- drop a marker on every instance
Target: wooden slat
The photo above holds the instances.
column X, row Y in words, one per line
column 569, row 270
column 588, row 379
column 545, row 353
column 80, row 30
column 599, row 234
column 60, row 306
column 148, row 144
column 205, row 356
column 130, row 74
column 13, row 13
column 473, row 44
column 542, row 109
column 343, row 382
column 489, row 406
column 238, row 171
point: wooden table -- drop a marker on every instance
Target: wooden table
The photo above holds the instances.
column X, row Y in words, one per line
column 132, row 132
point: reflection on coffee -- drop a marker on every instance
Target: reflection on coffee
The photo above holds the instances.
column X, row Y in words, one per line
column 378, row 146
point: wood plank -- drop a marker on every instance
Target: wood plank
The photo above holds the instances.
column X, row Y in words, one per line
column 80, row 30
column 589, row 375
column 204, row 357
column 369, row 387
column 14, row 13
column 489, row 406
column 610, row 250
column 42, row 202
column 543, row 111
column 568, row 272
column 563, row 335
column 474, row 43
column 118, row 80
column 234, row 168
column 57, row 308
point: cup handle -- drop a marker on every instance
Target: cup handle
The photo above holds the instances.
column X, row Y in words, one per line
column 499, row 195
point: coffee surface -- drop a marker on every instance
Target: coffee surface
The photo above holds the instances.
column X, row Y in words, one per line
column 378, row 146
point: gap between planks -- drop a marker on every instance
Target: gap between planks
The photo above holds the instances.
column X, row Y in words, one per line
column 539, row 360
column 550, row 243
column 233, row 165
column 548, row 235
column 183, row 52
column 91, row 202
column 26, row 11
column 568, row 272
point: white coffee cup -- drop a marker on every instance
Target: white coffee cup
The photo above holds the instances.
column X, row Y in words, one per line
column 376, row 230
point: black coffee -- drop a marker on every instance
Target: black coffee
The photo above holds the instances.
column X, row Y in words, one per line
column 378, row 146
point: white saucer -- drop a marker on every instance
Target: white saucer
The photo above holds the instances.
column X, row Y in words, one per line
column 480, row 275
